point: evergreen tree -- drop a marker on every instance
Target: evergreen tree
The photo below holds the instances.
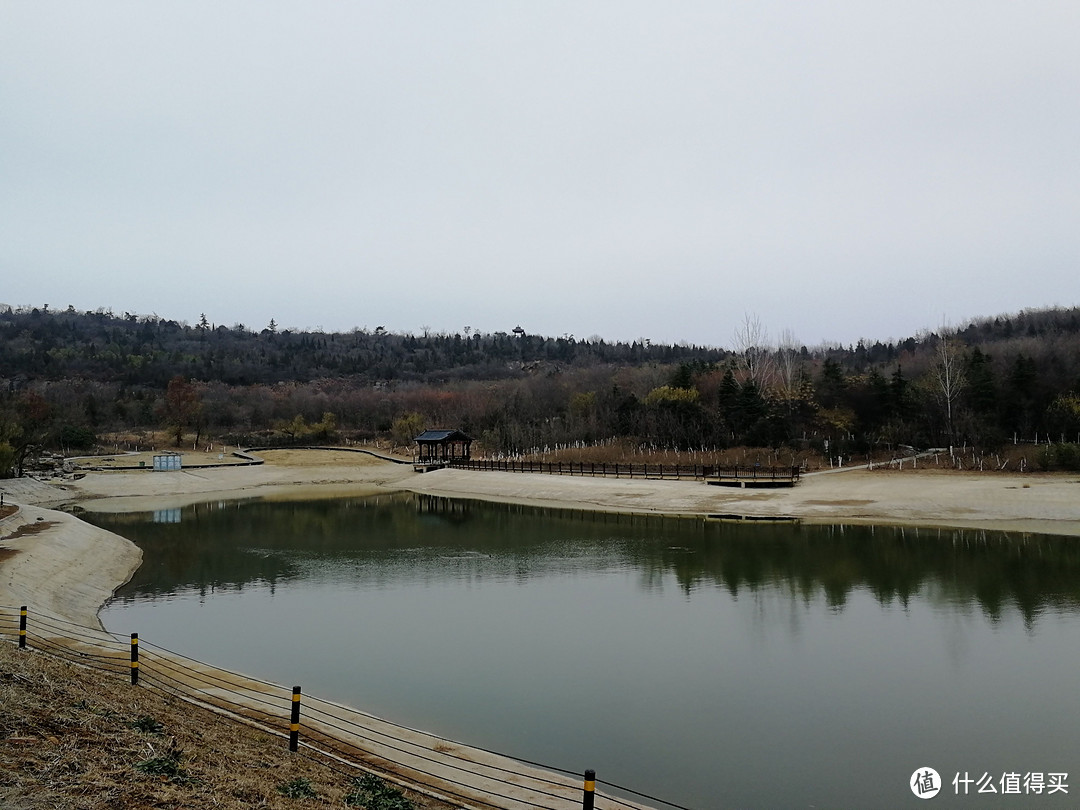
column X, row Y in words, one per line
column 727, row 400
column 683, row 377
column 1018, row 402
column 832, row 384
column 982, row 389
column 750, row 411
column 900, row 393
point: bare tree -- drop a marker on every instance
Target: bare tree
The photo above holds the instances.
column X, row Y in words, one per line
column 949, row 376
column 182, row 408
column 754, row 355
column 787, row 355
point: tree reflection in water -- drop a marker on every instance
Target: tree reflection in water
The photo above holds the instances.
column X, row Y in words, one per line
column 230, row 545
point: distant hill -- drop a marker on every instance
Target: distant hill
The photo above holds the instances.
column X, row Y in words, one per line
column 39, row 344
column 66, row 376
column 53, row 345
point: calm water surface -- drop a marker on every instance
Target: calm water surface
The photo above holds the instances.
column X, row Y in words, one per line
column 711, row 664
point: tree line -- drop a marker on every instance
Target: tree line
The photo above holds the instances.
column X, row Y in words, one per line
column 68, row 377
column 42, row 344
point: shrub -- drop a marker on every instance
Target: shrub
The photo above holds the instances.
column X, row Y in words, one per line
column 1059, row 457
column 77, row 438
column 373, row 793
column 7, row 460
column 147, row 725
column 299, row 788
column 167, row 767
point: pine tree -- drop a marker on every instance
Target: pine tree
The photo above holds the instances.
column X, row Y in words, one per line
column 982, row 389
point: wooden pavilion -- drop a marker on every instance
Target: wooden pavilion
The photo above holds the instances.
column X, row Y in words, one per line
column 440, row 446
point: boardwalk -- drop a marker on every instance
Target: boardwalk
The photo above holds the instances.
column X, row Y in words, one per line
column 739, row 476
column 756, row 477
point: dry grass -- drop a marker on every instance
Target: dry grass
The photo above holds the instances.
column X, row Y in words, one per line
column 1010, row 459
column 316, row 458
column 628, row 453
column 74, row 738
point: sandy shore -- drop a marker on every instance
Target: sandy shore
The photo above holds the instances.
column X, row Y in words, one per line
column 1030, row 503
column 63, row 565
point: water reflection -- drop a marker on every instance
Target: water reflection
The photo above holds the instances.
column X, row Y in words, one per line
column 386, row 538
column 718, row 664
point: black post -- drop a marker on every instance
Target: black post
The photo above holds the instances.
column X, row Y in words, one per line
column 294, row 722
column 134, row 659
column 22, row 627
column 590, row 790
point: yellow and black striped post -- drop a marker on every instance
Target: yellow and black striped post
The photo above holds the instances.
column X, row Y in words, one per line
column 22, row 627
column 294, row 722
column 590, row 790
column 134, row 659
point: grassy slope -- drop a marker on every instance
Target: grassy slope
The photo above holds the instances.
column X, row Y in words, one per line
column 70, row 738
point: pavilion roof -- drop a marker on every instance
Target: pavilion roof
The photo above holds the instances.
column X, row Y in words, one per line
column 443, row 436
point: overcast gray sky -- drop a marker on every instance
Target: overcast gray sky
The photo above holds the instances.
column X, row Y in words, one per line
column 625, row 169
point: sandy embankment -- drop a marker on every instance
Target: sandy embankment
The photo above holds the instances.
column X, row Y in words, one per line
column 286, row 474
column 71, row 568
column 61, row 565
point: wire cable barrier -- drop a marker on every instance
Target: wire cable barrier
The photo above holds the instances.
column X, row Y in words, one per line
column 335, row 735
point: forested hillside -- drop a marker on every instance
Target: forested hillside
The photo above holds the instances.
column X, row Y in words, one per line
column 71, row 376
column 42, row 345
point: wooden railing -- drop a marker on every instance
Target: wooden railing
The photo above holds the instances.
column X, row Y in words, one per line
column 645, row 471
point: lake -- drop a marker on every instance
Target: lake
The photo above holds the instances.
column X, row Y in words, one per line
column 711, row 664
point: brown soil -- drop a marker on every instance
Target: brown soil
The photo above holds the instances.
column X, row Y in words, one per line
column 74, row 738
column 28, row 529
